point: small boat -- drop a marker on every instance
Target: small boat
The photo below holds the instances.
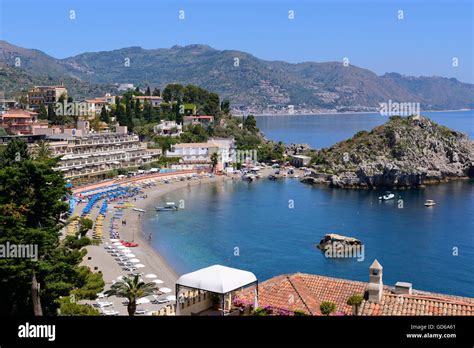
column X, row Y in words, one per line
column 429, row 203
column 248, row 177
column 387, row 196
column 272, row 177
column 139, row 210
column 170, row 206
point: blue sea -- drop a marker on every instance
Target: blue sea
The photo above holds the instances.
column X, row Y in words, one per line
column 272, row 227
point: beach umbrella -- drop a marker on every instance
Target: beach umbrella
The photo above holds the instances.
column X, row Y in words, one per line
column 117, row 243
column 139, row 265
column 171, row 298
column 125, row 251
column 121, row 247
column 114, row 240
column 143, row 300
column 157, row 281
column 165, row 290
column 151, row 276
column 134, row 260
column 130, row 255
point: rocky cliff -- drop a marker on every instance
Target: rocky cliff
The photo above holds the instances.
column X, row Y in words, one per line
column 402, row 153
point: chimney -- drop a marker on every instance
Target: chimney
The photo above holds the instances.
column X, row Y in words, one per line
column 375, row 287
column 402, row 288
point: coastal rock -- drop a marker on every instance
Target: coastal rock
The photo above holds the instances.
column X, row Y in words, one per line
column 297, row 149
column 332, row 238
column 402, row 153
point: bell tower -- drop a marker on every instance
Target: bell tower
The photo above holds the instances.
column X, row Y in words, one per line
column 375, row 287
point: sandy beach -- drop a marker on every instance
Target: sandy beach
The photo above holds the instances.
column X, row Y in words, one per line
column 98, row 259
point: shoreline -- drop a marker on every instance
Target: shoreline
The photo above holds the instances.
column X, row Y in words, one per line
column 347, row 113
column 99, row 260
column 134, row 222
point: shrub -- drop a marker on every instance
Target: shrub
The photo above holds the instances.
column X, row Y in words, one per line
column 327, row 307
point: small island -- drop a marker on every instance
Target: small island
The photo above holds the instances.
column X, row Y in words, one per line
column 404, row 152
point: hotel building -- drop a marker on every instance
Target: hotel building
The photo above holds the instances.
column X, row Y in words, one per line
column 45, row 95
column 198, row 155
column 86, row 154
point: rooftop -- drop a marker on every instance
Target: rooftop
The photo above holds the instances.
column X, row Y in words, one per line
column 18, row 113
column 300, row 291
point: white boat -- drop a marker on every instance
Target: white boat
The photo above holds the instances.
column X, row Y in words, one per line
column 169, row 206
column 248, row 177
column 429, row 203
column 387, row 196
column 139, row 210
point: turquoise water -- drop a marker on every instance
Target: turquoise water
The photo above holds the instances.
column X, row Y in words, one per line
column 251, row 226
column 413, row 244
column 326, row 130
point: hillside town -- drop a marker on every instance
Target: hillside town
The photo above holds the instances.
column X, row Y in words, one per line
column 91, row 149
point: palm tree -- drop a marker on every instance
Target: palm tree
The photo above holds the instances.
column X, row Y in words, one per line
column 131, row 289
column 43, row 150
column 214, row 160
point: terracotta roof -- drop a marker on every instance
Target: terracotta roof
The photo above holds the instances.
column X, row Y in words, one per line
column 418, row 304
column 19, row 113
column 305, row 292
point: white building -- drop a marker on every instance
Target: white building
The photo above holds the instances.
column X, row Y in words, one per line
column 198, row 155
column 168, row 129
column 87, row 154
column 125, row 86
column 154, row 100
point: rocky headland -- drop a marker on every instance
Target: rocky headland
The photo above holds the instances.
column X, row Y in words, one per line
column 404, row 152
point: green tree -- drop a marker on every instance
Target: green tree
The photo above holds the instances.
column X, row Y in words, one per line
column 173, row 92
column 250, row 123
column 355, row 301
column 157, row 92
column 225, row 106
column 104, row 115
column 15, row 152
column 148, row 92
column 327, row 307
column 85, row 225
column 214, row 160
column 132, row 289
column 42, row 112
column 42, row 150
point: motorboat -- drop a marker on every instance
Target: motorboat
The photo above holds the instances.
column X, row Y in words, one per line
column 429, row 203
column 169, row 206
column 139, row 210
column 272, row 177
column 248, row 177
column 387, row 196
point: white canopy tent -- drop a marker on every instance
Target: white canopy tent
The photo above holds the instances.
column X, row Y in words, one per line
column 217, row 279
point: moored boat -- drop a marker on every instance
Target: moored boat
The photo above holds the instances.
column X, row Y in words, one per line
column 387, row 196
column 169, row 206
column 429, row 203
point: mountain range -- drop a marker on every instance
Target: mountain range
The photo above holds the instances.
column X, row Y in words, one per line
column 250, row 83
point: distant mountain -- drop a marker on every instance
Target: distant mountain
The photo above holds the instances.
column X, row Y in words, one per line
column 250, row 83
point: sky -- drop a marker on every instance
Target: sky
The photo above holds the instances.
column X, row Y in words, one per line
column 429, row 40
